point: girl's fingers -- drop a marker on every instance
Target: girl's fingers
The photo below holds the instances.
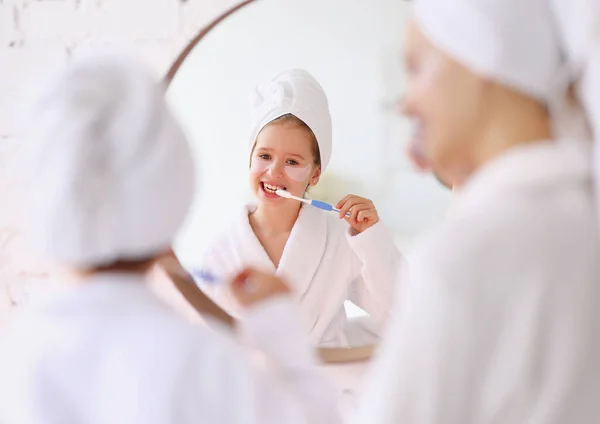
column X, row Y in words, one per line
column 366, row 215
column 344, row 200
column 352, row 203
column 356, row 210
column 251, row 286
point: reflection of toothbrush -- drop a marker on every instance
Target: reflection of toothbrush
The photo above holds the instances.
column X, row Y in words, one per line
column 316, row 203
column 173, row 267
column 211, row 279
column 205, row 276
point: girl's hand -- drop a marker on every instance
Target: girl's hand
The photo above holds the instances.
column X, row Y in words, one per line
column 251, row 286
column 363, row 214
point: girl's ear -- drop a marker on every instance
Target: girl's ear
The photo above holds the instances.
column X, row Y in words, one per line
column 315, row 176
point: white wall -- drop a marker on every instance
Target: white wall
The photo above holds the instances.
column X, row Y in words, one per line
column 38, row 34
column 353, row 48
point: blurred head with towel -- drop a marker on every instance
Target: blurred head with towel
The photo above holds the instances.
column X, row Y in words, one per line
column 112, row 182
column 113, row 176
column 498, row 320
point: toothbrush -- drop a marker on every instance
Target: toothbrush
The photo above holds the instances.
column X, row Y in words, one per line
column 212, row 279
column 174, row 267
column 316, row 203
column 205, row 276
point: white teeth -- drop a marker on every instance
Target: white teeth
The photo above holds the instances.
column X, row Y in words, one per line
column 271, row 188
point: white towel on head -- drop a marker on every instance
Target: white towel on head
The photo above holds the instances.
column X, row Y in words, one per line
column 298, row 93
column 512, row 42
column 113, row 176
column 538, row 47
column 579, row 27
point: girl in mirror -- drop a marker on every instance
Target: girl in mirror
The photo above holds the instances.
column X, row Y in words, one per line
column 327, row 259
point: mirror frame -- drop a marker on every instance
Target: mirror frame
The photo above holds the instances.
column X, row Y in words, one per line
column 191, row 292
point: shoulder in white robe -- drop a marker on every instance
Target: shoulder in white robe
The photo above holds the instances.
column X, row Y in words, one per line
column 498, row 319
column 108, row 351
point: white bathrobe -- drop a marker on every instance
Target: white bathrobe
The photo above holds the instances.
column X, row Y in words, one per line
column 109, row 351
column 323, row 263
column 498, row 321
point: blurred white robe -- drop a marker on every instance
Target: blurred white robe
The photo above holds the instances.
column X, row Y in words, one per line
column 108, row 351
column 498, row 320
column 324, row 265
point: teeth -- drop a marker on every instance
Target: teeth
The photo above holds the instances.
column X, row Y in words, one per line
column 271, row 188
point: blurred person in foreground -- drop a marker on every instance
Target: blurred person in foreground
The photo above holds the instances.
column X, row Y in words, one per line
column 112, row 183
column 498, row 319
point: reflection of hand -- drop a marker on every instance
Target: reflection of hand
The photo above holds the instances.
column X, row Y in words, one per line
column 363, row 214
column 250, row 287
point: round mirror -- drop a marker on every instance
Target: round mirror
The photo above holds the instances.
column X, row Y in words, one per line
column 352, row 49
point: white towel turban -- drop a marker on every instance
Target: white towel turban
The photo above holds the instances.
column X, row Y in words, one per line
column 578, row 22
column 296, row 92
column 113, row 176
column 538, row 47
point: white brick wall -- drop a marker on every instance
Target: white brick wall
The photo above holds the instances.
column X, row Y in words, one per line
column 37, row 34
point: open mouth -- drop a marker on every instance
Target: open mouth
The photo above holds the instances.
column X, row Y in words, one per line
column 416, row 147
column 270, row 188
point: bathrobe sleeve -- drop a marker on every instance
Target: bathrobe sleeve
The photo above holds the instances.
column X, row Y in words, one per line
column 376, row 262
column 289, row 387
column 475, row 341
column 423, row 365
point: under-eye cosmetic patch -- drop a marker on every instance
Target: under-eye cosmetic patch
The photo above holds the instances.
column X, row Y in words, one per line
column 296, row 173
column 259, row 165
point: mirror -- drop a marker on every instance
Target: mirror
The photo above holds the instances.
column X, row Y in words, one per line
column 353, row 49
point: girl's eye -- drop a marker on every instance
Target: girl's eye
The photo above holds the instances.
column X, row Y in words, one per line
column 292, row 162
column 264, row 156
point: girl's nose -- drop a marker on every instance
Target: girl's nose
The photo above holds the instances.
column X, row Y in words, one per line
column 276, row 169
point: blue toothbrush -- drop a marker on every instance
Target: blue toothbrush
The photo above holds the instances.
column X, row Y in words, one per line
column 316, row 203
column 173, row 266
column 211, row 279
column 205, row 276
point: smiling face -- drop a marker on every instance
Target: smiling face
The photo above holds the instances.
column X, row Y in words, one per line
column 447, row 104
column 285, row 156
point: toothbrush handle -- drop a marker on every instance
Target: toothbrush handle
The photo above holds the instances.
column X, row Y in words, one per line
column 326, row 207
column 204, row 276
column 337, row 212
column 322, row 205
